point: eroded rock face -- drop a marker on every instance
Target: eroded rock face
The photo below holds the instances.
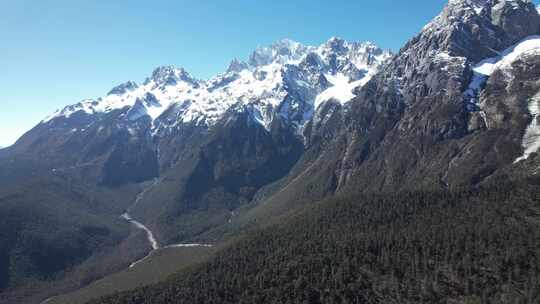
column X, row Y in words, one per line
column 413, row 125
column 508, row 91
column 515, row 18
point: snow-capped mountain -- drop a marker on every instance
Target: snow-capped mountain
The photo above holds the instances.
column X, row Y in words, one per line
column 438, row 87
column 286, row 78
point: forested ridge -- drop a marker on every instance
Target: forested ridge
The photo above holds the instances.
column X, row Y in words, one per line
column 59, row 236
column 466, row 246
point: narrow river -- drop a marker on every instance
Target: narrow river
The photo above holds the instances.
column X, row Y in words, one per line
column 149, row 235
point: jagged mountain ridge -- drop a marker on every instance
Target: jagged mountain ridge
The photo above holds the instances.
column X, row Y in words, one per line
column 262, row 82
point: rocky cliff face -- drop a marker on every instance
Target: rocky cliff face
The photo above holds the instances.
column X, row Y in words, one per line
column 441, row 118
column 433, row 116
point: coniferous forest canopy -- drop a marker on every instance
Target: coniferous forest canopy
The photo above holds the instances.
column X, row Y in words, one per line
column 468, row 246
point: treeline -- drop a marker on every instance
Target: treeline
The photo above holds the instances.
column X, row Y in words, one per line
column 468, row 246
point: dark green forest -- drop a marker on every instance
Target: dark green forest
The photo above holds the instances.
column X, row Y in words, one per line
column 478, row 245
column 59, row 236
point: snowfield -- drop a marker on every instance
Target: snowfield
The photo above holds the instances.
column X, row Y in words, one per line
column 485, row 68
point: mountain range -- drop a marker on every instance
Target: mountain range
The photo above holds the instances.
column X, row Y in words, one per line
column 320, row 141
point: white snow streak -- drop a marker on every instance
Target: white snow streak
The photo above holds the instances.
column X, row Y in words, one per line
column 485, row 68
column 531, row 139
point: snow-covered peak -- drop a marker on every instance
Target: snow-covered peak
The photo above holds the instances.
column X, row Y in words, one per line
column 287, row 79
column 282, row 52
column 335, row 45
column 475, row 29
column 471, row 3
column 170, row 75
column 334, row 51
column 123, row 88
column 236, row 66
column 478, row 7
column 457, row 11
column 480, row 4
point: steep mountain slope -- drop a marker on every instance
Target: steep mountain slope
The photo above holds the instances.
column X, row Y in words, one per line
column 429, row 118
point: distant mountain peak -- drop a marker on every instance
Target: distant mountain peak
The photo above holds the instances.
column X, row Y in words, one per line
column 236, row 66
column 170, row 75
column 123, row 88
column 336, row 44
column 281, row 51
column 273, row 72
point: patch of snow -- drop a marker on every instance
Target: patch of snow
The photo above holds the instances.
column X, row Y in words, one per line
column 341, row 90
column 485, row 68
column 132, row 131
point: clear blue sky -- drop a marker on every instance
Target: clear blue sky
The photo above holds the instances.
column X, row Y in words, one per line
column 58, row 52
